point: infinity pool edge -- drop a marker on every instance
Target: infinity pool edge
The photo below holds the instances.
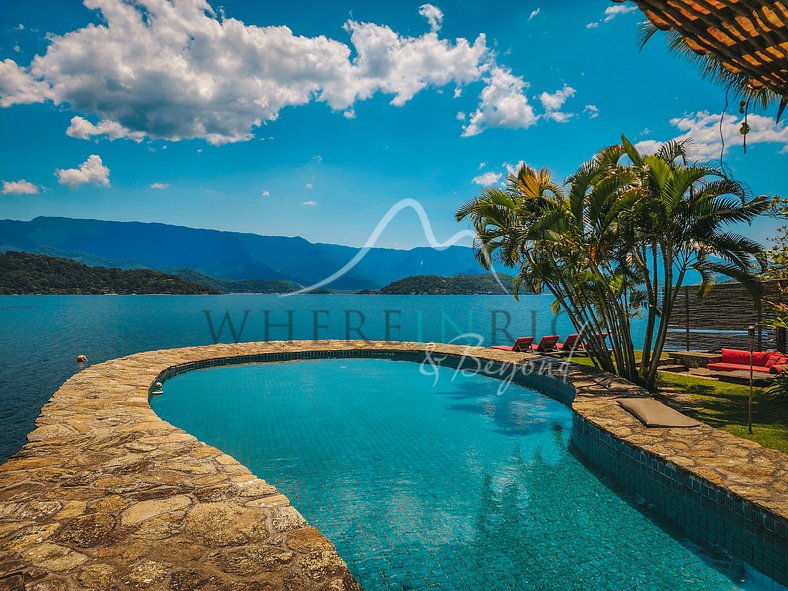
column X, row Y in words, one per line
column 106, row 493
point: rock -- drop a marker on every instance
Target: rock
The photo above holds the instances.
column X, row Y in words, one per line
column 223, row 524
column 88, row 530
column 53, row 557
column 307, row 540
column 189, row 579
column 251, row 560
column 321, row 565
column 287, row 518
column 146, row 574
column 96, row 576
column 143, row 510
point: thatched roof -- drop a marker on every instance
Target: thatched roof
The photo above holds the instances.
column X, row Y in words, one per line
column 748, row 37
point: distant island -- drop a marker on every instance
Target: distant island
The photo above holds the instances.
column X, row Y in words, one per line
column 25, row 273
column 219, row 285
column 457, row 285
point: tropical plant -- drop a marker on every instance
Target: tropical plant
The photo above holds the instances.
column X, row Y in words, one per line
column 617, row 240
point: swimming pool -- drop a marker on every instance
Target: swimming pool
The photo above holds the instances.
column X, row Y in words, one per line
column 442, row 483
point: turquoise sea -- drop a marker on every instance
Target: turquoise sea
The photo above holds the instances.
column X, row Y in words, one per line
column 40, row 336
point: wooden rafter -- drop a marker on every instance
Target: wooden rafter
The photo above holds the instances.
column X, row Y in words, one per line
column 748, row 37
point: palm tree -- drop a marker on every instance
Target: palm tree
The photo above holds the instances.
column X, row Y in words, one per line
column 679, row 223
column 616, row 237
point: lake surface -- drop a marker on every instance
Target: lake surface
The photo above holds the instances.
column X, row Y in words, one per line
column 41, row 336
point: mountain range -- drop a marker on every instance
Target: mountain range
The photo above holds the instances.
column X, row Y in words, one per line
column 225, row 255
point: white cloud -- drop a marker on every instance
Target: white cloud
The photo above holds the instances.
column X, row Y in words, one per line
column 702, row 129
column 20, row 187
column 17, row 87
column 592, row 111
column 534, row 13
column 308, row 186
column 646, row 131
column 434, row 16
column 349, row 114
column 266, row 193
column 487, row 178
column 503, row 104
column 612, row 12
column 513, row 168
column 90, row 171
column 309, row 203
column 177, row 70
column 160, row 186
column 552, row 104
column 460, row 116
column 83, row 129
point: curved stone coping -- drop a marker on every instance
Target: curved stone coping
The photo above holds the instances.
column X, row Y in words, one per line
column 108, row 495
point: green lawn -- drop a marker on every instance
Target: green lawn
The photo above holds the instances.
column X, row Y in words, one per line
column 725, row 407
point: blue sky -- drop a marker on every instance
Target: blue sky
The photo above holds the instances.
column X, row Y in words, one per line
column 217, row 119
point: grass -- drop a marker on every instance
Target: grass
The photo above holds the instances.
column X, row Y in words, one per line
column 725, row 407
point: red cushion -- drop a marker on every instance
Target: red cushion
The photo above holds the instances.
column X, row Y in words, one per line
column 722, row 366
column 741, row 357
column 778, row 368
column 776, row 359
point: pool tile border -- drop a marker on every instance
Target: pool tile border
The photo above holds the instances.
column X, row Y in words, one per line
column 107, row 495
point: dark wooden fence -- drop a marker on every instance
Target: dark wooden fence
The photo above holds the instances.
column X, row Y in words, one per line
column 721, row 318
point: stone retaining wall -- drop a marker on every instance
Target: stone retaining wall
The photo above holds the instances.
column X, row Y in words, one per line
column 108, row 496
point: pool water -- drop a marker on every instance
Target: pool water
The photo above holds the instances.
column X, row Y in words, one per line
column 447, row 483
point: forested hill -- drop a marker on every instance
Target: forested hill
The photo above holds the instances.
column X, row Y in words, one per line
column 24, row 273
column 457, row 285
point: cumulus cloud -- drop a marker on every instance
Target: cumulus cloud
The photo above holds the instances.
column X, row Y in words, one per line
column 592, row 111
column 176, row 70
column 83, row 129
column 20, row 187
column 266, row 193
column 534, row 13
column 487, row 178
column 309, row 203
column 552, row 103
column 612, row 12
column 513, row 168
column 703, row 130
column 434, row 16
column 91, row 171
column 160, row 186
column 17, row 87
column 502, row 104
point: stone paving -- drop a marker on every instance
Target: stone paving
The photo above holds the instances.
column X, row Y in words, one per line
column 108, row 496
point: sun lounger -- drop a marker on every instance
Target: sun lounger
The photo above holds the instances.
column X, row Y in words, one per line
column 522, row 344
column 546, row 344
column 571, row 343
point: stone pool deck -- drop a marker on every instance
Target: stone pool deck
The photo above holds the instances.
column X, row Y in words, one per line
column 105, row 495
